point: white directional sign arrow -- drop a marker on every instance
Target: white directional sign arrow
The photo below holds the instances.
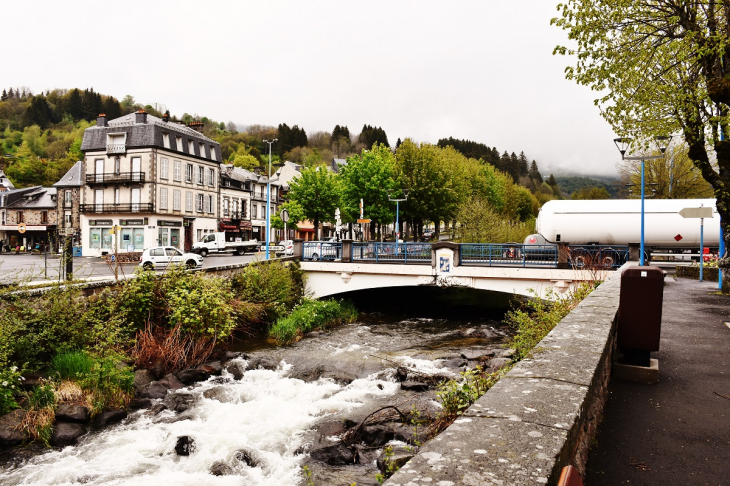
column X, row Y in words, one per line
column 696, row 213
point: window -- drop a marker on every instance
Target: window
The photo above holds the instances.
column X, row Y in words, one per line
column 163, row 198
column 191, row 147
column 189, row 202
column 68, row 219
column 201, row 174
column 235, row 208
column 211, row 177
column 166, row 140
column 163, row 168
column 176, row 199
column 212, row 152
column 117, row 165
column 68, row 198
column 253, row 211
column 117, row 196
column 211, row 205
column 199, row 203
column 20, row 217
column 244, row 208
column 202, row 149
column 225, row 207
column 189, row 173
column 179, row 144
column 44, row 217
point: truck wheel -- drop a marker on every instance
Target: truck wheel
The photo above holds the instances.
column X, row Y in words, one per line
column 204, row 252
column 240, row 251
column 315, row 257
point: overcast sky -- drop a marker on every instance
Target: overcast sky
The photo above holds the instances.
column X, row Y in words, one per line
column 479, row 70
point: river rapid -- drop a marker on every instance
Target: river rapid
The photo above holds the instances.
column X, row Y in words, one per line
column 261, row 428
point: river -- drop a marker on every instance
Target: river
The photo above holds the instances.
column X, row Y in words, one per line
column 261, row 428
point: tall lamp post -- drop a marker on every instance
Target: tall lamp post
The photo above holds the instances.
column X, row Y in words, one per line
column 268, row 200
column 623, row 144
column 397, row 212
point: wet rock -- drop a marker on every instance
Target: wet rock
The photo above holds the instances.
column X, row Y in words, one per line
column 263, row 364
column 31, row 380
column 190, row 376
column 334, row 455
column 236, row 369
column 389, row 463
column 171, row 382
column 308, row 374
column 212, row 368
column 156, row 409
column 348, row 424
column 155, row 389
column 248, row 457
column 109, row 418
column 475, row 354
column 379, row 435
column 498, row 363
column 333, row 428
column 487, row 333
column 65, row 433
column 467, row 332
column 185, row 446
column 416, row 386
column 179, row 402
column 10, row 428
column 217, row 393
column 139, row 403
column 401, row 374
column 506, row 353
column 72, row 412
column 142, row 378
column 220, row 468
column 157, row 370
column 235, row 354
column 339, row 376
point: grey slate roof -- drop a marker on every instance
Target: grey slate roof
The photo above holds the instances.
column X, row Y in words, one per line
column 148, row 134
column 5, row 182
column 36, row 197
column 336, row 163
column 73, row 178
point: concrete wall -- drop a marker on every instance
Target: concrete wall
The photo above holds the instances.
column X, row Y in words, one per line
column 540, row 417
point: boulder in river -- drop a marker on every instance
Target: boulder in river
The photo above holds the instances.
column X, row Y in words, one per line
column 263, row 364
column 171, row 382
column 236, row 369
column 219, row 393
column 185, row 445
column 389, row 463
column 220, row 468
column 416, row 386
column 11, row 432
column 65, row 433
column 142, row 378
column 108, row 418
column 72, row 412
column 248, row 457
column 212, row 368
column 190, row 376
column 179, row 402
column 335, row 455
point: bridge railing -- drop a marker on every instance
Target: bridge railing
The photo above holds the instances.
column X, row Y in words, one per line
column 597, row 256
column 322, row 250
column 508, row 254
column 390, row 252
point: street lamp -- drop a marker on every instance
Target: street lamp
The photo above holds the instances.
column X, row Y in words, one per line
column 622, row 144
column 397, row 212
column 268, row 200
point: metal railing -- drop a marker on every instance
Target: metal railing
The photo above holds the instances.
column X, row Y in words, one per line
column 118, row 208
column 597, row 256
column 508, row 254
column 116, row 148
column 105, row 178
column 390, row 252
column 322, row 250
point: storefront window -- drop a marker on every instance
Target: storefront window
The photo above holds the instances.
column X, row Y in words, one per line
column 95, row 238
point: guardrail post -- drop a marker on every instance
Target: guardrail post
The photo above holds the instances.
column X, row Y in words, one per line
column 564, row 255
column 298, row 248
column 346, row 251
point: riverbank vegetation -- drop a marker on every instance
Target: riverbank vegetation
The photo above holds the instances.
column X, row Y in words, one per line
column 311, row 315
column 83, row 350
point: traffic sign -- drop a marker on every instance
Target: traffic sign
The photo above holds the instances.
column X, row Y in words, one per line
column 284, row 215
column 21, row 227
column 696, row 212
column 363, row 220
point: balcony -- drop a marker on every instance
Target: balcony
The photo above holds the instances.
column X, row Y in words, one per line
column 238, row 216
column 118, row 208
column 116, row 148
column 112, row 178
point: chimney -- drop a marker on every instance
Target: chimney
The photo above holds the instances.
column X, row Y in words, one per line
column 166, row 117
column 197, row 126
column 101, row 120
column 140, row 117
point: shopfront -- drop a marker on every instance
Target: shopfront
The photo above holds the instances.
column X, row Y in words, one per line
column 131, row 235
column 168, row 233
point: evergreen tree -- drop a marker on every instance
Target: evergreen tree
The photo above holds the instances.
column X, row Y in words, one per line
column 524, row 166
column 11, row 93
column 73, row 104
column 398, row 143
column 38, row 112
column 535, row 174
column 111, row 108
column 4, row 96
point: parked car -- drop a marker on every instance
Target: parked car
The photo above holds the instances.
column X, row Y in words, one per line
column 322, row 250
column 288, row 247
column 428, row 234
column 163, row 256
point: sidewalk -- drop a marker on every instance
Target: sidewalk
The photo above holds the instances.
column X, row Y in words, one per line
column 677, row 431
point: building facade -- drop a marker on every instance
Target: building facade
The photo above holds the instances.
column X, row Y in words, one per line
column 157, row 180
column 68, row 202
column 28, row 217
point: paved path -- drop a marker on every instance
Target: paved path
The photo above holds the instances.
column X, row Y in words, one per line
column 677, row 431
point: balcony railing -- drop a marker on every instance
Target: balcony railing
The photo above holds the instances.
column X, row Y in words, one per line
column 122, row 177
column 116, row 148
column 118, row 208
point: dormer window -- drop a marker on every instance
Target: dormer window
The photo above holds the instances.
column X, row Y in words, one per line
column 179, row 144
column 191, row 147
column 166, row 140
column 212, row 152
column 116, row 143
column 202, row 149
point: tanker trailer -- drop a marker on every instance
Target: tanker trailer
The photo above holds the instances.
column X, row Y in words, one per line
column 617, row 222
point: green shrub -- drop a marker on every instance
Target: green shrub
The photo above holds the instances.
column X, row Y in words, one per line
column 457, row 395
column 42, row 396
column 9, row 387
column 278, row 286
column 310, row 315
column 109, row 384
column 201, row 305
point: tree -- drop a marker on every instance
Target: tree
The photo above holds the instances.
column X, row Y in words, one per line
column 231, row 127
column 315, row 190
column 661, row 69
column 111, row 108
column 4, row 96
column 591, row 193
column 296, row 215
column 535, row 174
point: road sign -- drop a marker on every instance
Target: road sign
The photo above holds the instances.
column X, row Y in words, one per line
column 21, row 227
column 363, row 220
column 696, row 212
column 284, row 215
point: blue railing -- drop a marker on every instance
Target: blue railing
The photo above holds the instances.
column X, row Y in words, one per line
column 390, row 252
column 322, row 250
column 597, row 256
column 508, row 254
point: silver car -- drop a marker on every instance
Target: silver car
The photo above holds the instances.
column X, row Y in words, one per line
column 163, row 256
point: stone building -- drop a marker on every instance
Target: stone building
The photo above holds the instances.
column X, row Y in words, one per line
column 68, row 201
column 157, row 180
column 28, row 217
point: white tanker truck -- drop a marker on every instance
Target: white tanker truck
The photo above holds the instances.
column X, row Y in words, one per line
column 618, row 222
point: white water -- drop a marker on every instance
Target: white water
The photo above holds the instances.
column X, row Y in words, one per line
column 266, row 413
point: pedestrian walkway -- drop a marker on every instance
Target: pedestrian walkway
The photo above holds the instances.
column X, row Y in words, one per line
column 676, row 431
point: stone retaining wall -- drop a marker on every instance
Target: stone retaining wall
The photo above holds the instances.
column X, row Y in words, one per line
column 540, row 417
column 693, row 271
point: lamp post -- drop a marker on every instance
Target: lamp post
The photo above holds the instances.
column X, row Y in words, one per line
column 623, row 144
column 268, row 199
column 397, row 212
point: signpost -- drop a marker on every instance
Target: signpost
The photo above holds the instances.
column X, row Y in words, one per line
column 284, row 216
column 701, row 213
